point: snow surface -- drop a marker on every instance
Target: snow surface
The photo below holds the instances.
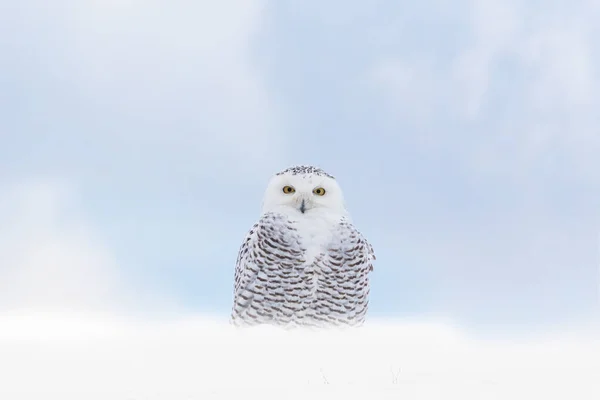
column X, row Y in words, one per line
column 70, row 356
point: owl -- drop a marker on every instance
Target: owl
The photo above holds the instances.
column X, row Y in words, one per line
column 303, row 263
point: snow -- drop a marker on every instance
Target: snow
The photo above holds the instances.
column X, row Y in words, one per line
column 87, row 356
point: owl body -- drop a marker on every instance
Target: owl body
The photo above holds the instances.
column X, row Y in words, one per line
column 303, row 263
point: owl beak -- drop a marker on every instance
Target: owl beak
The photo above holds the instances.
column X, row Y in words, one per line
column 303, row 206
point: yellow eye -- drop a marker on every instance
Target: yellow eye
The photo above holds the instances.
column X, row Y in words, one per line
column 288, row 190
column 319, row 191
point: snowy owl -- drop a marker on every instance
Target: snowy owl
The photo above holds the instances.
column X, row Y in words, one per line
column 303, row 264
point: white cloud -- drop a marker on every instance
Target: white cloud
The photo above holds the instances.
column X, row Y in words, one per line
column 138, row 79
column 517, row 265
column 525, row 78
column 494, row 24
column 51, row 258
column 58, row 357
column 563, row 57
column 410, row 86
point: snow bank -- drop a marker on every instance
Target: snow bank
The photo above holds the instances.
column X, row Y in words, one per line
column 51, row 356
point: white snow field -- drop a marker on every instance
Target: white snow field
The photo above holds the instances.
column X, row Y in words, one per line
column 89, row 357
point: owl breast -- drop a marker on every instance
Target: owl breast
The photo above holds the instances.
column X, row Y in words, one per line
column 301, row 272
column 315, row 236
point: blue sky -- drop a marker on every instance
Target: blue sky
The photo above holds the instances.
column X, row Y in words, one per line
column 136, row 139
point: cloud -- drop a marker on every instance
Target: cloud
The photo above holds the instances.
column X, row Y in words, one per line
column 139, row 84
column 409, row 87
column 98, row 357
column 520, row 272
column 52, row 259
column 156, row 112
column 494, row 26
column 498, row 99
column 521, row 86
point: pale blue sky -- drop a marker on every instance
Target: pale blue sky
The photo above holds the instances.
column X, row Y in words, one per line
column 136, row 139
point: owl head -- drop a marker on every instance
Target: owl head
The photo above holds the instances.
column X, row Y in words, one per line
column 304, row 191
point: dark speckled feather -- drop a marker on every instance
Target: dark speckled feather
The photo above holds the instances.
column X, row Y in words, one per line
column 275, row 284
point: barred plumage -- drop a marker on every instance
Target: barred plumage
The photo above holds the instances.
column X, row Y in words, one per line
column 303, row 263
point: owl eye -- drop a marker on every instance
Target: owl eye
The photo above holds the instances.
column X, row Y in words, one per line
column 319, row 191
column 288, row 190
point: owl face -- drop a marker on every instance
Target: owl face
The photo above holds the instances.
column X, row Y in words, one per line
column 300, row 193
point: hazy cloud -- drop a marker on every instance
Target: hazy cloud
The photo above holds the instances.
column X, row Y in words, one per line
column 523, row 88
column 51, row 259
column 136, row 83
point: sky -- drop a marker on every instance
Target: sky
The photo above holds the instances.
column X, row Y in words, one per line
column 137, row 138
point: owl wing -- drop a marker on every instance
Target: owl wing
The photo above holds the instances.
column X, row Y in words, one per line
column 246, row 272
column 265, row 282
column 347, row 263
column 354, row 247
